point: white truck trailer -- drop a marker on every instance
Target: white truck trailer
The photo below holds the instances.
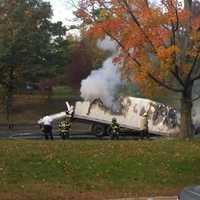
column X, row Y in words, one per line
column 162, row 118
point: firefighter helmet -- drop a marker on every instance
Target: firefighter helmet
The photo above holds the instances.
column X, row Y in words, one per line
column 114, row 119
column 145, row 114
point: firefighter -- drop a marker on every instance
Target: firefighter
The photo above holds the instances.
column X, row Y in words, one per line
column 144, row 125
column 64, row 128
column 115, row 129
column 46, row 127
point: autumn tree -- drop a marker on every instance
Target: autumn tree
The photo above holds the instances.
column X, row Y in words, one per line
column 86, row 56
column 159, row 44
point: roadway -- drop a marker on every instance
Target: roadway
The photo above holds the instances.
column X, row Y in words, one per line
column 73, row 136
column 79, row 131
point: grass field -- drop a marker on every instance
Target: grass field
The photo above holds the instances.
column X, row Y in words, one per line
column 40, row 170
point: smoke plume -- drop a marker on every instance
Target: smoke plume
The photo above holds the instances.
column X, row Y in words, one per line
column 104, row 82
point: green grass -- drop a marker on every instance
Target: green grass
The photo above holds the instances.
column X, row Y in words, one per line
column 45, row 170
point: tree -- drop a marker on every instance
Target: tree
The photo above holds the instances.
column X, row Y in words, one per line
column 51, row 56
column 62, row 57
column 26, row 43
column 159, row 43
column 85, row 57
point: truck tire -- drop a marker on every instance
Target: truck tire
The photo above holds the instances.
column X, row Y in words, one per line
column 109, row 131
column 98, row 129
column 197, row 130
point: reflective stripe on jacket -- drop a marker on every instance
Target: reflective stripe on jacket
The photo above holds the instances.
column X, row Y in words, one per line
column 115, row 126
column 64, row 126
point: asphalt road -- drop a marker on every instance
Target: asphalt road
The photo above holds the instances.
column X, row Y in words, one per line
column 29, row 133
column 73, row 136
column 79, row 131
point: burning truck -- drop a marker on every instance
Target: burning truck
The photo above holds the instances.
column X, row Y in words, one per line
column 163, row 119
column 99, row 91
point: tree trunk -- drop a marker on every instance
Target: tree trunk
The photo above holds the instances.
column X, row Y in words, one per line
column 9, row 97
column 188, row 4
column 186, row 130
column 8, row 102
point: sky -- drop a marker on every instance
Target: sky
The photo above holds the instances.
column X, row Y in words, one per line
column 63, row 11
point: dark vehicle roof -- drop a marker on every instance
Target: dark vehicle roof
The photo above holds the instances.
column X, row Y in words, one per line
column 190, row 193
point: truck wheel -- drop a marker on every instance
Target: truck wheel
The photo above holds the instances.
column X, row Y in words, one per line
column 98, row 130
column 197, row 130
column 109, row 131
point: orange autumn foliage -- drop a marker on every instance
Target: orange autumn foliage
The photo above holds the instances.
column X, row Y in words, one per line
column 147, row 33
column 159, row 44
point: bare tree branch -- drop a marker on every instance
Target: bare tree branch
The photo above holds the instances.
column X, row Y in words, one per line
column 196, row 98
column 193, row 67
column 175, row 72
column 164, row 84
column 121, row 45
column 135, row 20
column 176, row 75
column 177, row 17
column 188, row 4
column 196, row 78
column 147, row 3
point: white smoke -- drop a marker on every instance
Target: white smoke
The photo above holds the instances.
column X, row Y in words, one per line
column 107, row 44
column 104, row 82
